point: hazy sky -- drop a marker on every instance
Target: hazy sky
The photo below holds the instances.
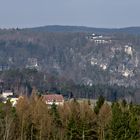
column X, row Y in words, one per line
column 95, row 13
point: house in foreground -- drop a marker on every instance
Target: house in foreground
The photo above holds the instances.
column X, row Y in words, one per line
column 53, row 99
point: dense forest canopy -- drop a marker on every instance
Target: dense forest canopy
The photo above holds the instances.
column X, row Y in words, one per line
column 31, row 119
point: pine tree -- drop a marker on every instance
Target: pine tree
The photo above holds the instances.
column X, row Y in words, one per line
column 99, row 104
column 123, row 125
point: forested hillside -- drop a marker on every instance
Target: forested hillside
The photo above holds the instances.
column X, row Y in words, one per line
column 64, row 61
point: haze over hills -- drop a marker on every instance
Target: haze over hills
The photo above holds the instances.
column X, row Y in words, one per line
column 60, row 28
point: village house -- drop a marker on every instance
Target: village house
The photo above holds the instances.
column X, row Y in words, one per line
column 7, row 93
column 53, row 99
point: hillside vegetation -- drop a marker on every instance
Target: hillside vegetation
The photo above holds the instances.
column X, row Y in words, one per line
column 57, row 58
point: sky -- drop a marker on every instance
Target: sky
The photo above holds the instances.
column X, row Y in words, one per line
column 92, row 13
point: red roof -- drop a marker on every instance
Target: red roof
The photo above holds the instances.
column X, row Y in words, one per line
column 53, row 98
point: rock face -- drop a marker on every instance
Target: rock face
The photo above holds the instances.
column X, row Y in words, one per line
column 113, row 60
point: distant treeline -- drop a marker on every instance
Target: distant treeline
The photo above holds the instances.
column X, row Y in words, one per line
column 23, row 81
column 58, row 28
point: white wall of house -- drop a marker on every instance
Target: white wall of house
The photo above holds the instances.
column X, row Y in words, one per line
column 6, row 94
column 56, row 103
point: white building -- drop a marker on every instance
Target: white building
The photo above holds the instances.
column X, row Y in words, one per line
column 7, row 93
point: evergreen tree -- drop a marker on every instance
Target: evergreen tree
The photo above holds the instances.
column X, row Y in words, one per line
column 55, row 115
column 123, row 126
column 99, row 104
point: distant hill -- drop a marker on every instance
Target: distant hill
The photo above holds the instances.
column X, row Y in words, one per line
column 72, row 54
column 59, row 28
